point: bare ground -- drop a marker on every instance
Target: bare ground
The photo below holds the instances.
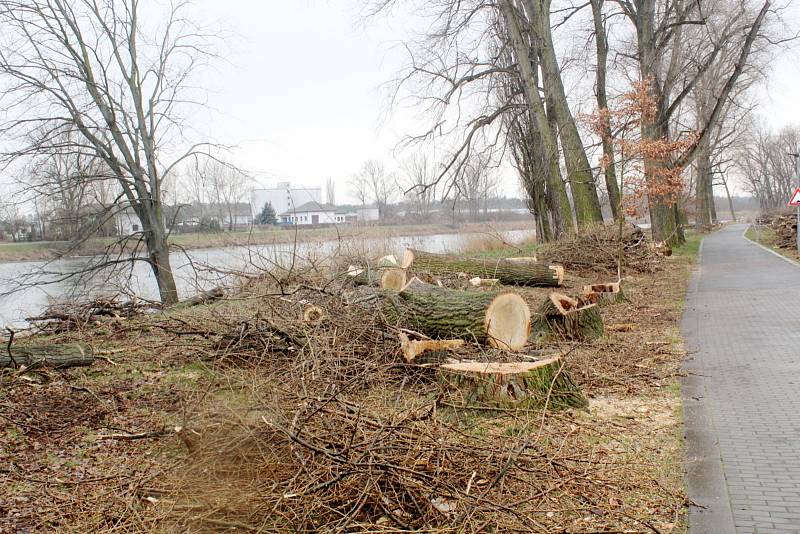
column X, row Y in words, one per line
column 212, row 419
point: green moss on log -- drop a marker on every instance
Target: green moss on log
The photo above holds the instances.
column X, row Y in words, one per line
column 508, row 272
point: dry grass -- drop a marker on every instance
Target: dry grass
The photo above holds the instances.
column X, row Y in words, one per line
column 290, row 427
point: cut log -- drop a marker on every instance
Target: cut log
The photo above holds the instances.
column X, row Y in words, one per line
column 603, row 294
column 525, row 273
column 384, row 277
column 387, row 261
column 500, row 320
column 57, row 356
column 413, row 348
column 516, row 384
column 204, row 297
column 313, row 314
column 393, row 278
column 562, row 317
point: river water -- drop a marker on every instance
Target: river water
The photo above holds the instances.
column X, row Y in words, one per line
column 23, row 295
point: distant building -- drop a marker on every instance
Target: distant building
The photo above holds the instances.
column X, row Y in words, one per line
column 283, row 197
column 367, row 213
column 310, row 213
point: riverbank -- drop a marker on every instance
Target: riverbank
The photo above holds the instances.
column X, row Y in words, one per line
column 234, row 415
column 47, row 250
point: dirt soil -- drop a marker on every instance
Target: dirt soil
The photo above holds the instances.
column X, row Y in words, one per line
column 231, row 417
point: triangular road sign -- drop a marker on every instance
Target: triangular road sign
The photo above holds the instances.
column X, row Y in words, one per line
column 795, row 201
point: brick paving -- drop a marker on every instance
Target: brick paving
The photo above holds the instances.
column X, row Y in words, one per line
column 742, row 327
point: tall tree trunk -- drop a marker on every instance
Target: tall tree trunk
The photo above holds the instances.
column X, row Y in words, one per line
column 579, row 172
column 558, row 200
column 609, row 170
column 730, row 200
column 151, row 217
column 702, row 217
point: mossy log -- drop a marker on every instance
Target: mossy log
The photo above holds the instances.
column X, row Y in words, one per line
column 602, row 294
column 562, row 317
column 523, row 273
column 204, row 297
column 56, row 356
column 500, row 320
column 516, row 384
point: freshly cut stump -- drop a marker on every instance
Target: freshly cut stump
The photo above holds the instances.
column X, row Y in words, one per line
column 523, row 273
column 603, row 294
column 500, row 320
column 562, row 317
column 313, row 314
column 515, row 384
column 57, row 356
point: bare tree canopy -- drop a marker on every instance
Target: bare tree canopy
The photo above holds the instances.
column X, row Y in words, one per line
column 93, row 77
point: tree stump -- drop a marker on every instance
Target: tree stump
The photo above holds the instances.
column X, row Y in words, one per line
column 523, row 273
column 516, row 384
column 57, row 356
column 500, row 320
column 603, row 294
column 562, row 317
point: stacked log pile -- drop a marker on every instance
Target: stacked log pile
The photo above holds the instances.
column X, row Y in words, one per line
column 784, row 226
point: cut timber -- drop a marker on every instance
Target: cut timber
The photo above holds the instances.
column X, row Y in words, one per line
column 562, row 317
column 387, row 261
column 516, row 384
column 525, row 273
column 384, row 277
column 602, row 294
column 56, row 355
column 500, row 320
column 204, row 297
column 414, row 348
column 313, row 314
column 393, row 278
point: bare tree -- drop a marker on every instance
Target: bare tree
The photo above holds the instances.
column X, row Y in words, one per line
column 95, row 70
column 420, row 183
column 330, row 191
column 375, row 183
column 766, row 165
column 227, row 188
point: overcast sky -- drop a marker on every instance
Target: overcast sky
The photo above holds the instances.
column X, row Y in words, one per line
column 301, row 95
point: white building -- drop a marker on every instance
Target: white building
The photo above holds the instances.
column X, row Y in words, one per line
column 283, row 197
column 367, row 213
column 310, row 213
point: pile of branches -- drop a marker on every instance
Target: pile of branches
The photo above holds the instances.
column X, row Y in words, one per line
column 597, row 250
column 784, row 224
column 336, row 464
column 72, row 316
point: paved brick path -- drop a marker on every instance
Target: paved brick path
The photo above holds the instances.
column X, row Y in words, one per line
column 742, row 395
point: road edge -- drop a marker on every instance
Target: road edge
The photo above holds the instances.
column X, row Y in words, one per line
column 710, row 510
column 756, row 243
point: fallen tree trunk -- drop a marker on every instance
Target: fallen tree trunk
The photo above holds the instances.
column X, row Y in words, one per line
column 204, row 297
column 516, row 384
column 57, row 356
column 603, row 294
column 562, row 317
column 500, row 320
column 524, row 273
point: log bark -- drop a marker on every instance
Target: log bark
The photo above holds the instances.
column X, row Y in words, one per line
column 57, row 356
column 562, row 317
column 204, row 297
column 525, row 273
column 515, row 384
column 500, row 320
